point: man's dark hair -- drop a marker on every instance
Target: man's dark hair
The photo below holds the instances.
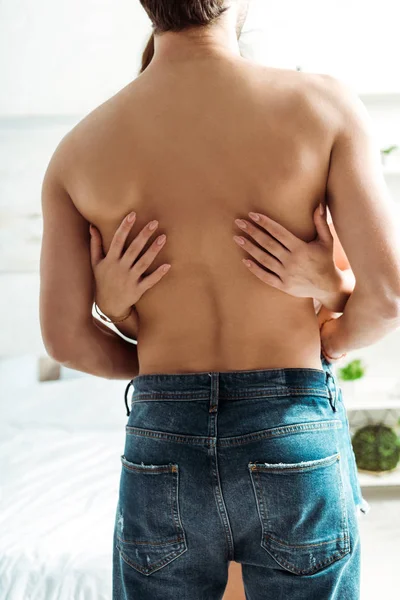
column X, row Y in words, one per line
column 175, row 15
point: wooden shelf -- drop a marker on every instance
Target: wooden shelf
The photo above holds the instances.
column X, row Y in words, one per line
column 380, row 96
column 371, row 402
column 379, row 480
column 391, row 171
column 371, row 393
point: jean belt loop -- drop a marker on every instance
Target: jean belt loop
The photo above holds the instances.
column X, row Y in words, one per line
column 331, row 388
column 126, row 397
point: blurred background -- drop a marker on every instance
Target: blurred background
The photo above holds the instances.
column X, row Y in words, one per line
column 62, row 431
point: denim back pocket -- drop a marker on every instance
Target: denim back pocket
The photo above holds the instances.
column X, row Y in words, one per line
column 303, row 512
column 149, row 532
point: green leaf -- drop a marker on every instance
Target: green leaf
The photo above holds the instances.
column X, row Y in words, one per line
column 389, row 149
column 353, row 370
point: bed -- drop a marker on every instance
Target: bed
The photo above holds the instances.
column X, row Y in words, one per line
column 60, row 447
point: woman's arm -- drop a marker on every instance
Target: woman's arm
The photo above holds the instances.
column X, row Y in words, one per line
column 343, row 284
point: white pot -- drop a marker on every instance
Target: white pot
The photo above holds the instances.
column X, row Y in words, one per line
column 391, row 161
column 349, row 389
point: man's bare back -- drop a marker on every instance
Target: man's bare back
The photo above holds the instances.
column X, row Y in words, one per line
column 195, row 147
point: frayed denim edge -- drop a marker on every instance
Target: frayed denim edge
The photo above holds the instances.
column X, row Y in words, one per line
column 363, row 509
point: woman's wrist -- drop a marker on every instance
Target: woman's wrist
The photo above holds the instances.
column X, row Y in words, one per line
column 109, row 318
column 339, row 289
column 130, row 327
column 333, row 338
column 112, row 312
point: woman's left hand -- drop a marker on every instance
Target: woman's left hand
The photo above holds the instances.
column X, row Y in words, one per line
column 299, row 268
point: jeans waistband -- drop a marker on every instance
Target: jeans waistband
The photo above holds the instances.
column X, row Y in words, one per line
column 234, row 384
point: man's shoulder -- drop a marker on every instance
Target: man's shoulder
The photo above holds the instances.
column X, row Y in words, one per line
column 94, row 121
column 98, row 118
column 313, row 87
column 83, row 138
column 324, row 96
column 331, row 93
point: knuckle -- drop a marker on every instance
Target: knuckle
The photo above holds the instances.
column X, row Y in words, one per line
column 146, row 231
column 152, row 279
column 267, row 242
column 119, row 237
column 143, row 263
column 255, row 235
column 133, row 247
column 138, row 267
column 145, row 235
column 259, row 236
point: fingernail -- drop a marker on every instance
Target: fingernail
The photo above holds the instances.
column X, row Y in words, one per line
column 239, row 240
column 131, row 216
column 166, row 268
column 321, row 208
column 240, row 223
column 254, row 216
column 153, row 225
column 161, row 239
column 246, row 262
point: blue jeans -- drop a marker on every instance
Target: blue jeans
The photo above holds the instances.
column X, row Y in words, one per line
column 251, row 466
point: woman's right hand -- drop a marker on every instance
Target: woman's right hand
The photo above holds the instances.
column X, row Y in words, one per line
column 118, row 276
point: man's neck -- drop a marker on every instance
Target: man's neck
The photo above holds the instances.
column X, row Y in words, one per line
column 196, row 43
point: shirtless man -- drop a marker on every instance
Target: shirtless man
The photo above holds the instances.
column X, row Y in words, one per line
column 198, row 140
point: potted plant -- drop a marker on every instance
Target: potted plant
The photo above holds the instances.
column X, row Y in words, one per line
column 348, row 376
column 376, row 448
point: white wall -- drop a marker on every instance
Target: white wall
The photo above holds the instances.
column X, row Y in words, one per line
column 356, row 40
column 67, row 56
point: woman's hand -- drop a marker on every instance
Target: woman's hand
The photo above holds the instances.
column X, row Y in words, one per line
column 299, row 268
column 118, row 277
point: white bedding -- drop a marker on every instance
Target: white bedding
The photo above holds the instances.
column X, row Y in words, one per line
column 60, row 447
